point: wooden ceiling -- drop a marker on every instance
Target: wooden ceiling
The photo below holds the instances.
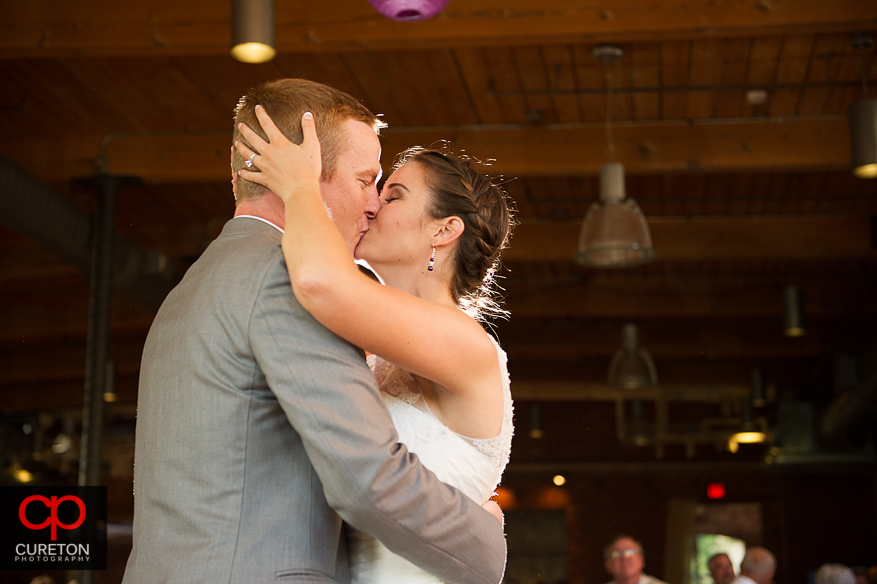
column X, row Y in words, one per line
column 742, row 199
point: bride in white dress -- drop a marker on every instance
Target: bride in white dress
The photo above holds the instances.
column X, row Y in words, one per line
column 436, row 243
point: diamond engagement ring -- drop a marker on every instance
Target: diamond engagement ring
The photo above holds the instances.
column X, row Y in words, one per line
column 249, row 161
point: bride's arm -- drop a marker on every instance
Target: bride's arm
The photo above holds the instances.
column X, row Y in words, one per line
column 437, row 342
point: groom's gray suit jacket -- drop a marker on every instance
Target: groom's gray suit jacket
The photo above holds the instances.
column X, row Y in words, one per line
column 259, row 431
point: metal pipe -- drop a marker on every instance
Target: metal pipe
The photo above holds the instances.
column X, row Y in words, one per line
column 96, row 357
column 34, row 210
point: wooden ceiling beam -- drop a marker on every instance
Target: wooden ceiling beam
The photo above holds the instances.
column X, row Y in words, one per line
column 682, row 301
column 788, row 238
column 557, row 150
column 667, row 338
column 42, row 28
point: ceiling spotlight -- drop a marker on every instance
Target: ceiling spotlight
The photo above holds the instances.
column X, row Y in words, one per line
column 793, row 311
column 536, row 422
column 252, row 30
column 757, row 386
column 862, row 116
column 409, row 10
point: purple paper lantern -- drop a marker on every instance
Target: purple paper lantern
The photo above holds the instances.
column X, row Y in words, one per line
column 409, row 10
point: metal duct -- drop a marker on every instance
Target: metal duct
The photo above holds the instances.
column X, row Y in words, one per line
column 34, row 210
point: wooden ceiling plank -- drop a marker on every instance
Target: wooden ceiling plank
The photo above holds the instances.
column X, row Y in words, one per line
column 458, row 103
column 792, row 69
column 505, row 81
column 378, row 94
column 825, row 48
column 688, row 301
column 674, row 74
column 715, row 239
column 739, row 193
column 530, row 66
column 645, row 71
column 732, row 64
column 40, row 28
column 717, row 188
column 561, row 78
column 719, row 339
column 476, row 77
column 589, row 75
column 703, row 72
column 619, row 79
column 395, row 73
column 792, row 144
column 424, row 106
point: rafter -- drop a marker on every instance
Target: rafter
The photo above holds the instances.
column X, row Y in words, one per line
column 743, row 144
column 41, row 28
column 674, row 239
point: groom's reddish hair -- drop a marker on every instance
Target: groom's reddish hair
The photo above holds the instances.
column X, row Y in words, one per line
column 286, row 100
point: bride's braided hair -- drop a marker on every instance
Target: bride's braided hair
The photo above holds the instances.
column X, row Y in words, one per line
column 487, row 213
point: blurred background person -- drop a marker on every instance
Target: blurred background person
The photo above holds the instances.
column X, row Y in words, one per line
column 625, row 562
column 834, row 574
column 758, row 567
column 721, row 568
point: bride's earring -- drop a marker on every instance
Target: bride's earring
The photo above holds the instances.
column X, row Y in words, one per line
column 431, row 259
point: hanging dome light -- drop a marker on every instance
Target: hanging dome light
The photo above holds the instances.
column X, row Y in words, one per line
column 409, row 10
column 632, row 367
column 614, row 233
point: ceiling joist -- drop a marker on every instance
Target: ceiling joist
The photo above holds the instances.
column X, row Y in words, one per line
column 744, row 145
column 42, row 28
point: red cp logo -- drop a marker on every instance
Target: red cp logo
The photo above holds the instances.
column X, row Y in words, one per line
column 52, row 506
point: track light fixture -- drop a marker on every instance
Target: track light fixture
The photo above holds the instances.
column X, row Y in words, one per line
column 793, row 311
column 536, row 421
column 252, row 30
column 862, row 116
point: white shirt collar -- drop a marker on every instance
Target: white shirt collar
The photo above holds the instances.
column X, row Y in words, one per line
column 262, row 219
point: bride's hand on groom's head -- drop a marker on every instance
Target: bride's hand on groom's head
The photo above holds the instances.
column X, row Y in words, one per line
column 494, row 509
column 278, row 164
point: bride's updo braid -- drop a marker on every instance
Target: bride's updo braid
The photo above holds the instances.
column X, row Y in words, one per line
column 487, row 213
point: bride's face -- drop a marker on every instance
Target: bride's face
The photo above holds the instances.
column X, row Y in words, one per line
column 401, row 235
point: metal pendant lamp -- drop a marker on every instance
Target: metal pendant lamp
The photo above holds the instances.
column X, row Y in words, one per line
column 409, row 10
column 632, row 366
column 614, row 232
column 252, row 30
column 862, row 116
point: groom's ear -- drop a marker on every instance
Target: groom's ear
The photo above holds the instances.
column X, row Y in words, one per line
column 449, row 229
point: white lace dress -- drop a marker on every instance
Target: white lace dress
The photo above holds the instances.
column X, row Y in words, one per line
column 473, row 466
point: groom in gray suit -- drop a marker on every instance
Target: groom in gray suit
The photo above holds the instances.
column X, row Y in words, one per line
column 258, row 430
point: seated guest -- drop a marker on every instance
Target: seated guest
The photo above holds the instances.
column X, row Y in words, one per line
column 625, row 562
column 721, row 569
column 834, row 574
column 758, row 567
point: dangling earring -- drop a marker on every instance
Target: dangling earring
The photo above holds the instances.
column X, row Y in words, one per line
column 431, row 259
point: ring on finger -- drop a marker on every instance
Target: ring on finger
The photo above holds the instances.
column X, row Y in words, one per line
column 249, row 161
